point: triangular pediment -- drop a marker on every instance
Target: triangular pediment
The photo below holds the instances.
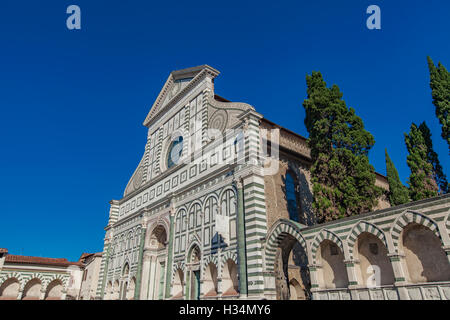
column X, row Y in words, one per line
column 176, row 84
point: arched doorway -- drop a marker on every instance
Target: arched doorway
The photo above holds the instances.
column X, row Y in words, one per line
column 154, row 274
column 124, row 281
column 425, row 259
column 292, row 279
column 193, row 267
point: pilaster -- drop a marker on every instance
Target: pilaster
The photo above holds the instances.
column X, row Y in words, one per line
column 104, row 267
column 350, row 266
column 137, row 289
column 399, row 274
column 242, row 255
column 170, row 253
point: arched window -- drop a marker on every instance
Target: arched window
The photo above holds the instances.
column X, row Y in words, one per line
column 291, row 197
column 228, row 203
column 174, row 154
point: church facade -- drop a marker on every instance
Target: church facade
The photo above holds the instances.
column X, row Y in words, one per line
column 219, row 207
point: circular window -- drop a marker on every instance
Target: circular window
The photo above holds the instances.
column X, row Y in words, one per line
column 174, row 154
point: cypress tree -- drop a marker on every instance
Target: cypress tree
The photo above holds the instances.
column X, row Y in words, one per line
column 421, row 182
column 398, row 193
column 432, row 157
column 440, row 92
column 343, row 179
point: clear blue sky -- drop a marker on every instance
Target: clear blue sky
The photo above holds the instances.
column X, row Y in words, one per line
column 73, row 102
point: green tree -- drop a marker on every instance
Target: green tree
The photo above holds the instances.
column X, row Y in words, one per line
column 421, row 182
column 440, row 92
column 432, row 157
column 343, row 179
column 398, row 193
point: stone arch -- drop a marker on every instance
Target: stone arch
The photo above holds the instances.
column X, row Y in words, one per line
column 9, row 289
column 54, row 290
column 4, row 277
column 32, row 289
column 38, row 276
column 325, row 234
column 59, row 277
column 210, row 259
column 412, row 217
column 156, row 223
column 374, row 267
column 180, row 265
column 276, row 234
column 159, row 231
column 194, row 242
column 227, row 255
column 424, row 259
column 331, row 271
column 360, row 227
